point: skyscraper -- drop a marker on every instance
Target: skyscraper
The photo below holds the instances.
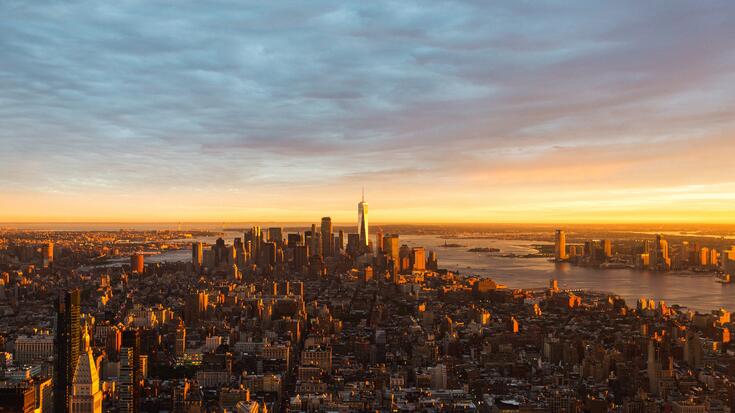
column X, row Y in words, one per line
column 607, row 248
column 180, row 347
column 137, row 263
column 418, row 259
column 130, row 372
column 391, row 247
column 197, row 255
column 362, row 221
column 86, row 394
column 275, row 234
column 560, row 245
column 48, row 254
column 378, row 242
column 255, row 236
column 327, row 238
column 67, row 345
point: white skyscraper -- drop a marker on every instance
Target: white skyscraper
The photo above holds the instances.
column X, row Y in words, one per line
column 362, row 220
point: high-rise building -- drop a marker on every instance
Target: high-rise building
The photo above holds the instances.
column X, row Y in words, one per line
column 607, row 248
column 404, row 258
column 560, row 245
column 294, row 239
column 48, row 254
column 220, row 252
column 714, row 257
column 255, row 236
column 67, row 345
column 86, row 396
column 313, row 240
column 432, row 262
column 418, row 259
column 130, row 372
column 327, row 238
column 268, row 254
column 353, row 244
column 728, row 261
column 275, row 234
column 300, row 257
column 379, row 242
column 180, row 347
column 391, row 246
column 659, row 257
column 362, row 221
column 196, row 307
column 336, row 246
column 704, row 257
column 137, row 263
column 197, row 255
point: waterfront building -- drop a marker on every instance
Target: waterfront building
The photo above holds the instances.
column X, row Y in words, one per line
column 560, row 245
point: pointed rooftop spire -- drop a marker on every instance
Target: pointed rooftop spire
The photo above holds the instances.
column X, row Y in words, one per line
column 363, row 193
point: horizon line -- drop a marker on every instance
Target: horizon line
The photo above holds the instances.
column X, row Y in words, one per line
column 499, row 223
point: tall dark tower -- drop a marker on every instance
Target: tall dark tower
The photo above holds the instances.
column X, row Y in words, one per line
column 327, row 238
column 130, row 372
column 68, row 336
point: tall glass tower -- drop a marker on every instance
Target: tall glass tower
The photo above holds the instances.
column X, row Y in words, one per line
column 362, row 220
column 68, row 337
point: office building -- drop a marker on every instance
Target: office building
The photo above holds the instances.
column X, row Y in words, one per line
column 130, row 372
column 48, row 254
column 418, row 259
column 180, row 346
column 362, row 221
column 327, row 238
column 560, row 245
column 275, row 234
column 607, row 248
column 197, row 255
column 137, row 263
column 196, row 307
column 68, row 336
column 86, row 396
column 295, row 239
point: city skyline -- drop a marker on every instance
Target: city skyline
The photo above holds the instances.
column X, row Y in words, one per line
column 475, row 113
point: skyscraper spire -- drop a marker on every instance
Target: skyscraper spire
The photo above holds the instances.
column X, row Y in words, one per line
column 362, row 220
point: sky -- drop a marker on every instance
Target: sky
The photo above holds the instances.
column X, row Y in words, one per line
column 468, row 111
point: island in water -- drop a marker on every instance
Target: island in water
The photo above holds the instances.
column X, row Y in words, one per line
column 483, row 249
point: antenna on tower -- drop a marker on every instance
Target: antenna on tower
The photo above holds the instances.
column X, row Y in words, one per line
column 363, row 193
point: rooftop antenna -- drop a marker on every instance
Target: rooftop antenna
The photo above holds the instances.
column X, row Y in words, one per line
column 363, row 193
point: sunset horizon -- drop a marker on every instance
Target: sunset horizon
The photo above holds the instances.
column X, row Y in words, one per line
column 503, row 112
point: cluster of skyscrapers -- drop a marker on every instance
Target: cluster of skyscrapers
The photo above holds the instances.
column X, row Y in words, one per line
column 314, row 250
column 656, row 254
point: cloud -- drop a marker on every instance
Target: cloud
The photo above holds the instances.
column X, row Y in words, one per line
column 219, row 96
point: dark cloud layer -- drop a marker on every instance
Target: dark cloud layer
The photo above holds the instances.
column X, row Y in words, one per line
column 101, row 96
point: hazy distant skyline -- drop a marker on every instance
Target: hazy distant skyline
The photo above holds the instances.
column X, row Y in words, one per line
column 569, row 111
